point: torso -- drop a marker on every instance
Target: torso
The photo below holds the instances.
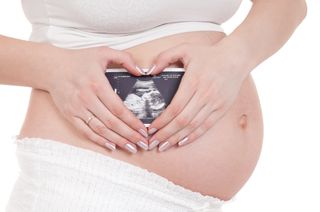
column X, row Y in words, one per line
column 222, row 159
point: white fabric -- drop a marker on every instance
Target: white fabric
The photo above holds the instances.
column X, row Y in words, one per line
column 121, row 24
column 57, row 177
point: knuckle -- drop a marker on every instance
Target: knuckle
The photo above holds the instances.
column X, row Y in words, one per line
column 109, row 123
column 174, row 110
column 83, row 96
column 193, row 85
column 89, row 134
column 206, row 125
column 182, row 120
column 127, row 55
column 118, row 111
column 135, row 137
column 95, row 86
column 100, row 129
column 194, row 82
column 192, row 137
column 193, row 124
column 205, row 97
column 163, row 56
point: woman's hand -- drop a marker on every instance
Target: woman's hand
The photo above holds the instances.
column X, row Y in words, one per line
column 84, row 96
column 212, row 80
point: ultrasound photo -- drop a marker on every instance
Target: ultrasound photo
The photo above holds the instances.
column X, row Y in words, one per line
column 145, row 96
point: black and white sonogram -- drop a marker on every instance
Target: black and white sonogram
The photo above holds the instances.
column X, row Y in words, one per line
column 145, row 96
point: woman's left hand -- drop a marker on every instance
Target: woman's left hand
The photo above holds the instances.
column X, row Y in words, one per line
column 211, row 82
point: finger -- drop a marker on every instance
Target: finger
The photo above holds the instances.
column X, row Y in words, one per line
column 91, row 135
column 181, row 121
column 204, row 127
column 181, row 138
column 124, row 59
column 187, row 88
column 97, row 126
column 169, row 56
column 115, row 124
column 116, row 106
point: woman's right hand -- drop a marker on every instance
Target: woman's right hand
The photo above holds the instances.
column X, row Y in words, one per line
column 80, row 90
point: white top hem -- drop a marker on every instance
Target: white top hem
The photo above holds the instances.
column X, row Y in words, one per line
column 74, row 38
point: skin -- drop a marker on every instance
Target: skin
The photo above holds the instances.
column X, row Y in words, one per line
column 210, row 101
column 67, row 103
column 83, row 88
column 205, row 93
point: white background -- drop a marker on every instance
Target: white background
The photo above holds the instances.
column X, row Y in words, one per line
column 287, row 176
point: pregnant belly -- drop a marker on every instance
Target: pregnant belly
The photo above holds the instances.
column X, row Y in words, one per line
column 217, row 164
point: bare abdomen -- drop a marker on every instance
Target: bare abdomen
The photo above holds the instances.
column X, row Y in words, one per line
column 217, row 164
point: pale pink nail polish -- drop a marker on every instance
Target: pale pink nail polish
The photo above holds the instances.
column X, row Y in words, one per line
column 152, row 130
column 131, row 148
column 140, row 70
column 151, row 70
column 142, row 145
column 112, row 147
column 153, row 144
column 183, row 141
column 164, row 146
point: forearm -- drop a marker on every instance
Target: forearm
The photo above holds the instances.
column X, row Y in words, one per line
column 26, row 63
column 267, row 27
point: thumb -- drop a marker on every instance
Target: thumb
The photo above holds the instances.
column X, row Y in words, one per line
column 167, row 57
column 125, row 60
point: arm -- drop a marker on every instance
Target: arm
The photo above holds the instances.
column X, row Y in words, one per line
column 205, row 94
column 77, row 85
column 26, row 63
column 268, row 26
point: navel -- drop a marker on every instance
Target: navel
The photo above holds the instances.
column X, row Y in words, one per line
column 243, row 122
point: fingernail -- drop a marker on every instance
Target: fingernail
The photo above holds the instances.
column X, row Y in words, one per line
column 112, row 147
column 152, row 130
column 140, row 70
column 183, row 141
column 164, row 146
column 151, row 70
column 142, row 145
column 131, row 148
column 143, row 133
column 153, row 144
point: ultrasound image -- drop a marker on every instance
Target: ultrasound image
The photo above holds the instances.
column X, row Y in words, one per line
column 145, row 100
column 145, row 96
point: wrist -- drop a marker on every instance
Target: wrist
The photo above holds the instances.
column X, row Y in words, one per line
column 239, row 54
column 50, row 62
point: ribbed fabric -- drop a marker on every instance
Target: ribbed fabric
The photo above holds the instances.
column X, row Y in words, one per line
column 57, row 177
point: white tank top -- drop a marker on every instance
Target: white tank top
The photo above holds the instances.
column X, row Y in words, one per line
column 121, row 24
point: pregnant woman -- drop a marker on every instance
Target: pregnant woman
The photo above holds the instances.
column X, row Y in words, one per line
column 80, row 149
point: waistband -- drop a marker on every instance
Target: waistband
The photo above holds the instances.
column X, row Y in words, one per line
column 74, row 38
column 50, row 159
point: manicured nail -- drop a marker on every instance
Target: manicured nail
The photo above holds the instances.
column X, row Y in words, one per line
column 152, row 130
column 164, row 146
column 142, row 145
column 140, row 70
column 183, row 141
column 143, row 133
column 151, row 70
column 153, row 144
column 131, row 148
column 112, row 147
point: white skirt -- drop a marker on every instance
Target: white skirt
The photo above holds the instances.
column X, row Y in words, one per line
column 57, row 177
